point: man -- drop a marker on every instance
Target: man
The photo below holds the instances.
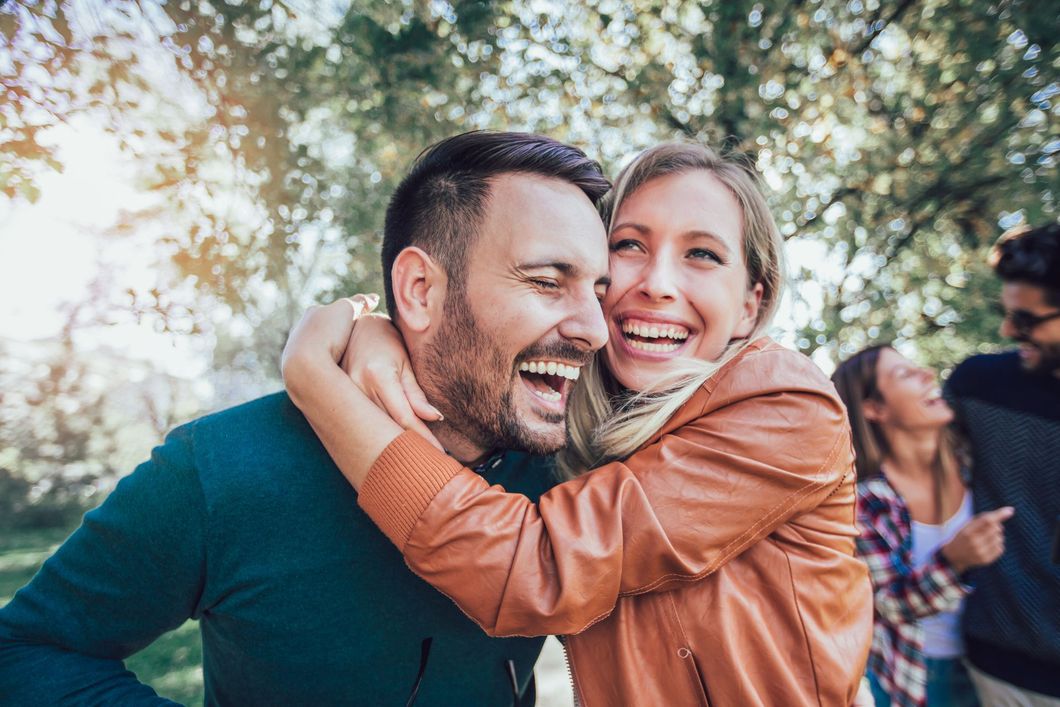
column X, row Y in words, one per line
column 1009, row 407
column 493, row 253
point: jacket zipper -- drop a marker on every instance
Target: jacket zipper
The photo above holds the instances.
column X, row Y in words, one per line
column 570, row 672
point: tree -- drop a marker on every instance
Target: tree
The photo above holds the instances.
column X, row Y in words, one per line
column 897, row 138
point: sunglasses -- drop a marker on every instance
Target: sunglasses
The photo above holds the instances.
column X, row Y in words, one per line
column 1023, row 321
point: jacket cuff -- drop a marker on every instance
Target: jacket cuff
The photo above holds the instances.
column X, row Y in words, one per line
column 402, row 483
column 950, row 579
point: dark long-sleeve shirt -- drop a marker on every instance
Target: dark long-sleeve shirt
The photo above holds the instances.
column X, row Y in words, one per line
column 240, row 520
column 1012, row 421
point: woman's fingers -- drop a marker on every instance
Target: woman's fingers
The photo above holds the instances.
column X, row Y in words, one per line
column 417, row 398
column 362, row 304
column 392, row 398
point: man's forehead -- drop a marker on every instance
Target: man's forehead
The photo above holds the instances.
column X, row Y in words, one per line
column 1022, row 295
column 534, row 219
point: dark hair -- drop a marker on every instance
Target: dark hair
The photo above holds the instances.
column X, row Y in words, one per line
column 855, row 381
column 440, row 204
column 1030, row 255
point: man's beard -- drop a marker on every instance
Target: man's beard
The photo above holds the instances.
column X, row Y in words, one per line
column 473, row 379
column 1048, row 357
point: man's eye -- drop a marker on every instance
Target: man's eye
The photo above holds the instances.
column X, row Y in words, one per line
column 545, row 284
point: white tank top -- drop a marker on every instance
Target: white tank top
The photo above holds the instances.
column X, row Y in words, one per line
column 942, row 632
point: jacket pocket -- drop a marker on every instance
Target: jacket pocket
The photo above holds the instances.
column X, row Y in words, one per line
column 687, row 657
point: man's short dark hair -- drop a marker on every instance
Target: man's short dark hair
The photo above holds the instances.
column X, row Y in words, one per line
column 1032, row 256
column 440, row 204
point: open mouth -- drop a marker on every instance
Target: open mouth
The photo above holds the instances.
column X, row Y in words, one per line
column 654, row 337
column 551, row 381
column 935, row 398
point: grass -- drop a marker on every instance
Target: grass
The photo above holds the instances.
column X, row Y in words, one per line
column 172, row 665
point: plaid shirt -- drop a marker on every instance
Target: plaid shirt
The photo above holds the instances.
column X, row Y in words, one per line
column 903, row 594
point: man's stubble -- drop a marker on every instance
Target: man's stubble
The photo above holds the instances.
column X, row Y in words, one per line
column 472, row 379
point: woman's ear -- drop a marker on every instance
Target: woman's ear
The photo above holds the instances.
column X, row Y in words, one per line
column 873, row 410
column 419, row 286
column 749, row 314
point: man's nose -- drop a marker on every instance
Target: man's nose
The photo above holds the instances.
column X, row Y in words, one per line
column 1006, row 329
column 585, row 326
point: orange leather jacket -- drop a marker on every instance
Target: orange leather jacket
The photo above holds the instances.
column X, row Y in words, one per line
column 713, row 567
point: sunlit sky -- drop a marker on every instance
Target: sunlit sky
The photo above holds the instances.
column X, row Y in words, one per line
column 53, row 249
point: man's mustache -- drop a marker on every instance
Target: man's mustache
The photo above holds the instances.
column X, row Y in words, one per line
column 558, row 350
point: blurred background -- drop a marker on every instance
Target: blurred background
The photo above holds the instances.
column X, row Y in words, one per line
column 178, row 181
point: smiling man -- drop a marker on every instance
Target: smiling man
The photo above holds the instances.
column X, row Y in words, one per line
column 1009, row 407
column 494, row 258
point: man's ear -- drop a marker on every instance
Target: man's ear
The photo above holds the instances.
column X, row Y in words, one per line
column 419, row 285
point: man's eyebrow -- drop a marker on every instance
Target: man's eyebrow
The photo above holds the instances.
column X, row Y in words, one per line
column 564, row 268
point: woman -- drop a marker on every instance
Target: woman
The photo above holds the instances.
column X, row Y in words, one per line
column 708, row 556
column 917, row 531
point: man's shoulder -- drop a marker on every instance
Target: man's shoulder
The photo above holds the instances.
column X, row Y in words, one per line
column 262, row 438
column 267, row 423
column 984, row 371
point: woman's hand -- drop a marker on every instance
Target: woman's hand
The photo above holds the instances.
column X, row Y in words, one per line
column 351, row 426
column 980, row 542
column 370, row 351
column 377, row 362
column 319, row 339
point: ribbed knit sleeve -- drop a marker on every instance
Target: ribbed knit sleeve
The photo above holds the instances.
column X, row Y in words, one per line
column 402, row 483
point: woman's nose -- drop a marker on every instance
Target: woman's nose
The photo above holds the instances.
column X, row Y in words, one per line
column 658, row 281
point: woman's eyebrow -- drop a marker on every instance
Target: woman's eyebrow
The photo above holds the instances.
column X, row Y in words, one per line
column 639, row 227
column 710, row 236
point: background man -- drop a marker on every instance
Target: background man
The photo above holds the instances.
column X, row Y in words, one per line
column 494, row 255
column 1009, row 407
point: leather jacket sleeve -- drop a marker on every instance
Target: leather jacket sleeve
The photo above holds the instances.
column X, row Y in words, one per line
column 756, row 452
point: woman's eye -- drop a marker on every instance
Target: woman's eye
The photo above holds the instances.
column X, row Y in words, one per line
column 704, row 254
column 625, row 244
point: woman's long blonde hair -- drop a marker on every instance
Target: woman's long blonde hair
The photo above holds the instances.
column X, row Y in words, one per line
column 606, row 423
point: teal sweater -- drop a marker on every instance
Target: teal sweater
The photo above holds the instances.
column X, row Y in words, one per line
column 240, row 520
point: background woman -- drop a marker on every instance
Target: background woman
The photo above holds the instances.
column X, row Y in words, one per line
column 917, row 531
column 708, row 556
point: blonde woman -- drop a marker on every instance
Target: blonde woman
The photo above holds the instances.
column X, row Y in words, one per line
column 701, row 550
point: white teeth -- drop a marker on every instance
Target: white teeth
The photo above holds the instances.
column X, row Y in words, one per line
column 659, row 348
column 552, row 396
column 677, row 333
column 552, row 368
